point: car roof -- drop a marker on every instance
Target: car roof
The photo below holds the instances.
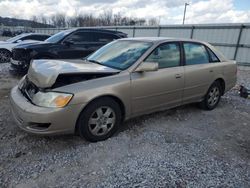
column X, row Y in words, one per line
column 162, row 39
column 97, row 29
column 27, row 34
column 159, row 40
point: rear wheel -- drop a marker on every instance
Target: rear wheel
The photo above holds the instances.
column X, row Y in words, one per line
column 99, row 120
column 212, row 98
column 5, row 56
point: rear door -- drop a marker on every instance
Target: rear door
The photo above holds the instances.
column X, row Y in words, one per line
column 160, row 89
column 200, row 70
column 101, row 38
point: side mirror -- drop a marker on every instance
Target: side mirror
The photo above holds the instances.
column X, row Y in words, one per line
column 147, row 67
column 68, row 43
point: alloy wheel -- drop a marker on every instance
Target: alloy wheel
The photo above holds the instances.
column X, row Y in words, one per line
column 102, row 121
column 213, row 96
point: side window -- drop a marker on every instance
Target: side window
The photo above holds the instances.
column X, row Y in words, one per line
column 103, row 37
column 213, row 57
column 36, row 37
column 195, row 54
column 167, row 55
column 25, row 38
column 80, row 37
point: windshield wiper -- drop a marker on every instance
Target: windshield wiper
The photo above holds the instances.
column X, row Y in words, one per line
column 94, row 61
column 97, row 62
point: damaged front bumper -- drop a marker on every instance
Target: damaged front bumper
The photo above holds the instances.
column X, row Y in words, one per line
column 19, row 65
column 41, row 120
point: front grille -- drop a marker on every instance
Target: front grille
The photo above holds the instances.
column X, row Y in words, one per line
column 28, row 89
column 20, row 54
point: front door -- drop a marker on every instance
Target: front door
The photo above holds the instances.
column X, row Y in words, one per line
column 77, row 45
column 156, row 90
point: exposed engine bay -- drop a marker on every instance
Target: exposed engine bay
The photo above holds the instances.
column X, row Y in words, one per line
column 66, row 79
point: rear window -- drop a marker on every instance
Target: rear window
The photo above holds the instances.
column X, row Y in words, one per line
column 104, row 37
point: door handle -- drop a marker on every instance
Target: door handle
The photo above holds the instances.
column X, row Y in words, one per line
column 177, row 76
column 211, row 70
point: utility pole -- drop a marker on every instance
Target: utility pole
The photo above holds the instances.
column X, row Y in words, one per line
column 184, row 16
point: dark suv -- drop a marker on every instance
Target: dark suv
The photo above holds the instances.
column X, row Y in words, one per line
column 68, row 44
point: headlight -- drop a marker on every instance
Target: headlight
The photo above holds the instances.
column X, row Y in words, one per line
column 51, row 99
column 21, row 82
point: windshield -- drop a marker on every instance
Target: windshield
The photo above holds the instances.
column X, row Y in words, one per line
column 120, row 54
column 18, row 37
column 57, row 37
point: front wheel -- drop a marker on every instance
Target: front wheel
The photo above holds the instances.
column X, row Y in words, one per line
column 212, row 98
column 99, row 120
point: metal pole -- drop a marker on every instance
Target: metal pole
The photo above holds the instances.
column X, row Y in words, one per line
column 133, row 31
column 238, row 41
column 183, row 21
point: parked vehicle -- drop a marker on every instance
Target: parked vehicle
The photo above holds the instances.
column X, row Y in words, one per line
column 68, row 44
column 123, row 79
column 28, row 38
column 7, row 33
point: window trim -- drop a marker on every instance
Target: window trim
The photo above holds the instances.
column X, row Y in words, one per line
column 164, row 43
column 93, row 32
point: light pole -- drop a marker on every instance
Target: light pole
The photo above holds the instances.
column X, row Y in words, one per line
column 186, row 4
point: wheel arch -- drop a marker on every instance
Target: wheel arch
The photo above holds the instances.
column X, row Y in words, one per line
column 113, row 97
column 6, row 50
column 222, row 83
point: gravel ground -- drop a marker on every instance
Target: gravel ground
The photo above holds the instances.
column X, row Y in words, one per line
column 181, row 147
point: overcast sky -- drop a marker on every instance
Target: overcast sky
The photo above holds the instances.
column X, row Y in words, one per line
column 168, row 11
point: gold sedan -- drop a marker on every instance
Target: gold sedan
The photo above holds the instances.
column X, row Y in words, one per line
column 126, row 78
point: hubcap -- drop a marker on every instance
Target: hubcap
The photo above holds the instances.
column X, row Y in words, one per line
column 4, row 57
column 213, row 96
column 102, row 121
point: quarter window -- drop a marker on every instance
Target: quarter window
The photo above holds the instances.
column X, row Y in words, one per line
column 103, row 37
column 213, row 57
column 166, row 55
column 195, row 54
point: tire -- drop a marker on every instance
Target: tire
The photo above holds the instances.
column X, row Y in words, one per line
column 99, row 120
column 5, row 56
column 212, row 97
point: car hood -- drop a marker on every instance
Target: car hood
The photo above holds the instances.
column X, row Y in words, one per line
column 43, row 73
column 37, row 44
column 4, row 42
column 28, row 42
column 21, row 43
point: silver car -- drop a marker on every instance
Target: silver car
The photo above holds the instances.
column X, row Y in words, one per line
column 126, row 78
